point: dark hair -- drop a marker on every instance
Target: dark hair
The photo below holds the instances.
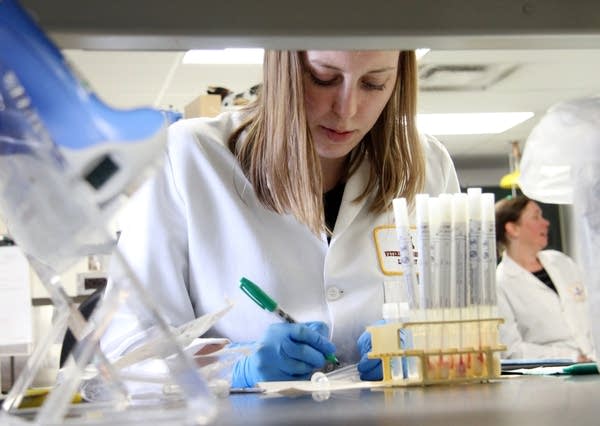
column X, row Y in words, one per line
column 508, row 210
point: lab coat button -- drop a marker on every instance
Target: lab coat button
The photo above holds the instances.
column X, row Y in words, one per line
column 333, row 293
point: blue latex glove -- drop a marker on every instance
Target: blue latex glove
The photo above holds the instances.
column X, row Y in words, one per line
column 370, row 369
column 286, row 352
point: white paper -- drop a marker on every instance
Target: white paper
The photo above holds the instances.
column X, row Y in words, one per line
column 539, row 371
column 308, row 386
column 16, row 334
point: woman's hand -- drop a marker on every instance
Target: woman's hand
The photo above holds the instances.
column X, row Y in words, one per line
column 286, row 352
column 369, row 369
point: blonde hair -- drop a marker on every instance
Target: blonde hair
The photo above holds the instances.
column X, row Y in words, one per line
column 277, row 154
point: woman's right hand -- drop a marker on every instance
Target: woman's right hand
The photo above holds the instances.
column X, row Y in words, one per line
column 286, row 352
column 584, row 358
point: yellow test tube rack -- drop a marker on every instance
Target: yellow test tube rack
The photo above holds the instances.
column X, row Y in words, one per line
column 440, row 352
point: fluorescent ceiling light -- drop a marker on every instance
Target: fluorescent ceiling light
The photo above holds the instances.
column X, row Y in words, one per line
column 231, row 56
column 470, row 123
column 224, row 57
column 421, row 52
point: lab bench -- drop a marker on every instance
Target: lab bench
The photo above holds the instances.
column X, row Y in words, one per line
column 518, row 400
column 521, row 400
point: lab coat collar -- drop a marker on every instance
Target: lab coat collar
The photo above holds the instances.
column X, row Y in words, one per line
column 513, row 269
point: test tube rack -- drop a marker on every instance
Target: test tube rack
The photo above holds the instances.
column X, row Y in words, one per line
column 429, row 363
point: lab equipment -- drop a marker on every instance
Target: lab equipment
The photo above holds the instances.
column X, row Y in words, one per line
column 346, row 373
column 458, row 274
column 406, row 292
column 453, row 335
column 66, row 158
column 406, row 251
column 424, row 250
column 474, row 259
column 480, row 363
column 488, row 254
column 396, row 309
column 184, row 335
column 263, row 300
column 561, row 165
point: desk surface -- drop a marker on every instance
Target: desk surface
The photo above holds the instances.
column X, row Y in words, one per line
column 524, row 400
column 521, row 400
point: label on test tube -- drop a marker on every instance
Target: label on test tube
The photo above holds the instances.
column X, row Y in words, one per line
column 435, row 243
column 474, row 237
column 406, row 250
column 424, row 250
column 488, row 230
column 459, row 251
column 444, row 255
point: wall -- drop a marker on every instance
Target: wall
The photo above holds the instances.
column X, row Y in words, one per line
column 10, row 367
column 480, row 171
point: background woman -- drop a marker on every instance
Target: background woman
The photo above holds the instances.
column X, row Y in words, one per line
column 540, row 292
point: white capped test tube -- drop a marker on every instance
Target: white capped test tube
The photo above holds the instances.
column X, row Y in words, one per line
column 423, row 250
column 459, row 272
column 435, row 246
column 459, row 251
column 475, row 273
column 445, row 249
column 488, row 252
column 405, row 243
column 395, row 309
column 474, row 238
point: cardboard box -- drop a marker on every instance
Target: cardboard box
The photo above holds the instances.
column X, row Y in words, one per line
column 203, row 106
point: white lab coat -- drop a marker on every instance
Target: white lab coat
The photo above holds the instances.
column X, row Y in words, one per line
column 197, row 227
column 538, row 322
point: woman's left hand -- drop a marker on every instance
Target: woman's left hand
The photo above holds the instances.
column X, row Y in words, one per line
column 369, row 369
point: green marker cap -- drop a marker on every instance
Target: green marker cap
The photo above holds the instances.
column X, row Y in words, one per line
column 255, row 293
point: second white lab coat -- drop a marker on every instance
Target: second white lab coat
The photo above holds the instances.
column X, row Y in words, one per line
column 197, row 227
column 538, row 322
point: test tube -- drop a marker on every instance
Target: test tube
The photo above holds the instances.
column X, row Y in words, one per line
column 459, row 251
column 435, row 246
column 445, row 249
column 443, row 254
column 424, row 250
column 474, row 238
column 459, row 273
column 424, row 268
column 407, row 260
column 395, row 309
column 488, row 252
column 488, row 231
column 475, row 272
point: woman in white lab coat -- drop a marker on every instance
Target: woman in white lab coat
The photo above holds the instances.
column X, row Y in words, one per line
column 540, row 292
column 294, row 193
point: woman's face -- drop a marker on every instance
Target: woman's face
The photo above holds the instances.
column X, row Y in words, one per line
column 345, row 92
column 532, row 227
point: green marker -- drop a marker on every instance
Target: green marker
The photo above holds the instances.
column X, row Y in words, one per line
column 263, row 300
column 581, row 368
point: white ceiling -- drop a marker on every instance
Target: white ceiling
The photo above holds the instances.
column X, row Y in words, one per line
column 536, row 79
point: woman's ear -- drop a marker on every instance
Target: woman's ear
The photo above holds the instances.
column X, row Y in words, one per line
column 512, row 230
